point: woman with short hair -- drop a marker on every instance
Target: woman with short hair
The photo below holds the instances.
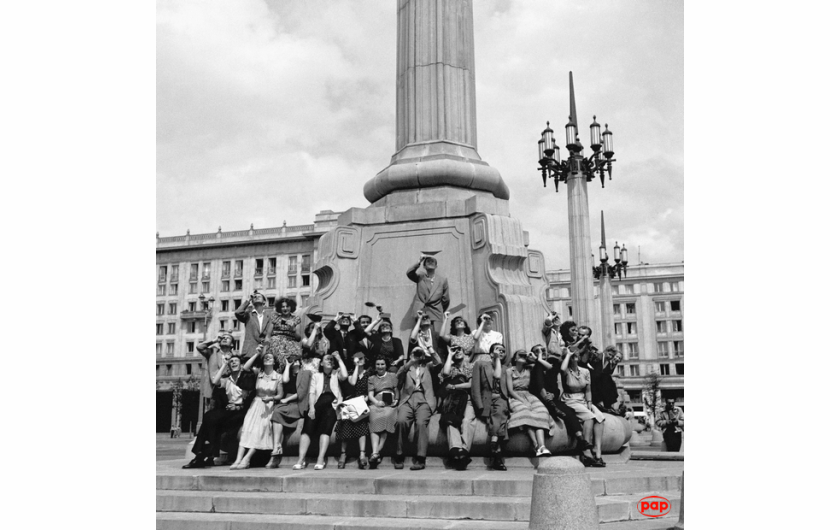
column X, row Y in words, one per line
column 384, row 395
column 526, row 410
column 459, row 335
column 282, row 330
column 384, row 344
column 577, row 395
column 346, row 430
column 256, row 430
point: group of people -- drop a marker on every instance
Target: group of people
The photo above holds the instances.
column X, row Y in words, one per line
column 466, row 376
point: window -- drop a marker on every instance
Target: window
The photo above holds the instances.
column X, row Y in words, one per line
column 630, row 288
column 191, row 306
column 619, row 370
column 615, row 290
column 173, row 308
column 659, row 307
column 237, row 285
column 168, row 370
column 272, row 266
column 272, row 283
column 659, row 288
column 225, row 269
column 632, row 350
column 630, row 309
column 193, row 272
column 258, row 283
column 293, row 265
column 661, row 327
column 190, row 346
column 634, row 370
column 222, row 323
column 235, row 323
column 675, row 287
column 618, row 329
column 170, row 328
column 631, row 328
column 189, row 369
column 270, row 301
column 676, row 326
column 173, row 273
column 680, row 369
column 225, row 305
column 160, row 307
column 304, row 301
column 664, row 369
column 617, row 310
column 306, row 263
column 191, row 326
column 237, row 270
column 161, row 290
column 292, row 284
column 225, row 286
column 205, row 287
column 304, row 280
column 205, row 271
column 173, row 288
column 162, row 274
column 662, row 349
column 570, row 311
column 159, row 328
column 678, row 348
column 193, row 288
column 258, row 268
column 158, row 349
column 170, row 349
column 675, row 306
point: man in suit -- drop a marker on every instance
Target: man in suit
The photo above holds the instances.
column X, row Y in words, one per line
column 490, row 401
column 342, row 339
column 671, row 421
column 432, row 295
column 254, row 315
column 217, row 352
column 417, row 404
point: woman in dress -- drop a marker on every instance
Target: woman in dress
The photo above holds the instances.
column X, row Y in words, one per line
column 384, row 395
column 282, row 330
column 457, row 416
column 578, row 395
column 459, row 334
column 324, row 398
column 346, row 430
column 526, row 410
column 485, row 339
column 257, row 428
column 384, row 344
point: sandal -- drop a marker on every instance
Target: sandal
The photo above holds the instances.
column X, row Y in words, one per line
column 274, row 463
column 299, row 466
column 235, row 465
column 599, row 462
column 342, row 461
column 374, row 460
column 363, row 462
column 587, row 462
column 542, row 451
column 319, row 467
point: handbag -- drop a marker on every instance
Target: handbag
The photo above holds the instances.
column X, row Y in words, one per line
column 355, row 409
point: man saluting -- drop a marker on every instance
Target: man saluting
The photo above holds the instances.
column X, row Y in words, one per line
column 432, row 296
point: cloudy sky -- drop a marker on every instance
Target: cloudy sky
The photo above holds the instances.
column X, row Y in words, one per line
column 274, row 110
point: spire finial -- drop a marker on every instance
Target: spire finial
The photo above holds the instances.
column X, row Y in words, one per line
column 572, row 100
column 603, row 232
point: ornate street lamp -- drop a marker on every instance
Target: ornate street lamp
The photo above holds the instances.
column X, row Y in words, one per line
column 620, row 256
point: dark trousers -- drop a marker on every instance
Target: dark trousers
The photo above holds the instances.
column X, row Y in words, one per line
column 417, row 411
column 213, row 425
column 564, row 413
column 673, row 440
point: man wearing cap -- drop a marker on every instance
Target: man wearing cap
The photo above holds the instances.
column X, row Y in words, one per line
column 432, row 295
column 671, row 422
column 254, row 315
column 217, row 352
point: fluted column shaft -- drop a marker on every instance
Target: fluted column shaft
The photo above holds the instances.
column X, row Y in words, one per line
column 607, row 320
column 580, row 252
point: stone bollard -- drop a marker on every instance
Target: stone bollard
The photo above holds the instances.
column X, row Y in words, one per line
column 656, row 439
column 681, row 524
column 561, row 496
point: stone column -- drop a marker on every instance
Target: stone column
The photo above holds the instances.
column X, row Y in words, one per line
column 580, row 252
column 607, row 321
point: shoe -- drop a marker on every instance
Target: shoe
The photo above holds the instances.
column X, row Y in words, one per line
column 399, row 462
column 274, row 463
column 374, row 460
column 599, row 462
column 342, row 461
column 241, row 465
column 319, row 467
column 494, row 447
column 210, row 462
column 583, row 445
column 299, row 466
column 363, row 462
column 499, row 464
column 588, row 462
column 196, row 463
column 542, row 451
column 462, row 462
column 417, row 466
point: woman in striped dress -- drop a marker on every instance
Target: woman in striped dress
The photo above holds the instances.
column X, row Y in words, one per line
column 527, row 412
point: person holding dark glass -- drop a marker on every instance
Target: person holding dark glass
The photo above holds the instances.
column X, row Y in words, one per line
column 417, row 404
column 432, row 292
column 526, row 410
column 343, row 339
column 456, row 414
column 671, row 421
column 384, row 344
column 346, row 430
column 255, row 317
column 578, row 395
column 489, row 395
column 217, row 352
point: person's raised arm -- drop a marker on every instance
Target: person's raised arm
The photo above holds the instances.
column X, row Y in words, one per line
column 447, row 366
column 241, row 313
column 217, row 377
column 373, row 325
column 342, row 370
column 444, row 296
column 355, row 375
column 444, row 329
column 541, row 359
column 416, row 329
column 309, row 342
column 250, row 362
column 204, row 348
column 567, row 354
column 497, row 368
column 286, row 370
column 414, row 271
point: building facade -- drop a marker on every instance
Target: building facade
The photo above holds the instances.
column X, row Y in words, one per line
column 201, row 279
column 648, row 310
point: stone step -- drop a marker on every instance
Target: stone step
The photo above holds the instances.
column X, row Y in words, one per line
column 475, row 507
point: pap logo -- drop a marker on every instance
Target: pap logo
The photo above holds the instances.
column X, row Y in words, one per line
column 654, row 506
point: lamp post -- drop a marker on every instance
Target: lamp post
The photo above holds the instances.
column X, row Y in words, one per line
column 208, row 314
column 576, row 171
column 604, row 273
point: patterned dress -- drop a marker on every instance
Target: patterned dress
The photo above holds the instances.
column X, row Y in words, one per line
column 465, row 341
column 530, row 414
column 574, row 384
column 350, row 430
column 282, row 342
column 383, row 418
column 256, row 429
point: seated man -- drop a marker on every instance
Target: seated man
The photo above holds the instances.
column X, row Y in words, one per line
column 238, row 388
column 490, row 400
column 417, row 404
column 671, row 421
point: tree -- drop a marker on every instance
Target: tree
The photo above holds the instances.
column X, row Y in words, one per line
column 652, row 396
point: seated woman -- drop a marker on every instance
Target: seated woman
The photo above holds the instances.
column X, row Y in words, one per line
column 578, row 395
column 489, row 395
column 346, row 430
column 384, row 396
column 526, row 410
column 384, row 344
column 604, row 391
column 459, row 334
column 324, row 397
column 485, row 338
column 282, row 330
column 257, row 429
column 457, row 415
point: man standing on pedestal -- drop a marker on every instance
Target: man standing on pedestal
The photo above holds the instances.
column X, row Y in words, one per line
column 432, row 296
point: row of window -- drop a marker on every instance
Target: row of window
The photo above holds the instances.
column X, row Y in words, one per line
column 556, row 293
column 168, row 370
column 227, row 286
column 630, row 350
column 262, row 267
column 634, row 370
column 168, row 349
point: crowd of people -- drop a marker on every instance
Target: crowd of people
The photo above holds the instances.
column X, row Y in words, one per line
column 280, row 378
